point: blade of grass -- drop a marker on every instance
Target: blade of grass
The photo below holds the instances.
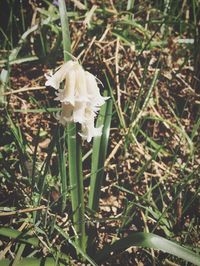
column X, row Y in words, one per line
column 180, row 126
column 33, row 262
column 34, row 160
column 4, row 77
column 19, row 60
column 99, row 154
column 44, row 110
column 38, row 193
column 20, row 236
column 174, row 126
column 148, row 96
column 18, row 255
column 130, row 4
column 99, row 151
column 26, row 238
column 21, row 146
column 148, row 240
column 66, row 236
column 120, row 115
column 62, row 166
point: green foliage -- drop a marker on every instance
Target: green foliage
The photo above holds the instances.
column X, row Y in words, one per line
column 148, row 240
column 99, row 152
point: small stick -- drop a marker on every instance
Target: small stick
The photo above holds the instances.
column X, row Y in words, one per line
column 88, row 49
column 23, row 90
column 22, row 211
column 114, row 151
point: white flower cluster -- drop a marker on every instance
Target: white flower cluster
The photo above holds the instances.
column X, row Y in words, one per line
column 80, row 97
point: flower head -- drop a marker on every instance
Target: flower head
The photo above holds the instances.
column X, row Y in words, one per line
column 80, row 97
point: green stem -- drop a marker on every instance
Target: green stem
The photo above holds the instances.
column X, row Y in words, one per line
column 74, row 148
column 65, row 30
column 76, row 183
column 100, row 145
column 62, row 166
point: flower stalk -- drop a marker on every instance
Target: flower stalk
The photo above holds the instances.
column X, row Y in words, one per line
column 74, row 148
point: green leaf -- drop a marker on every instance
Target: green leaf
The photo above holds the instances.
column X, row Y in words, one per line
column 20, row 236
column 66, row 236
column 148, row 240
column 100, row 145
column 32, row 262
column 61, row 149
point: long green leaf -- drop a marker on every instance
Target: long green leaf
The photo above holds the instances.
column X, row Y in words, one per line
column 120, row 116
column 66, row 236
column 99, row 154
column 32, row 262
column 62, row 166
column 18, row 254
column 148, row 240
column 20, row 236
column 21, row 147
column 26, row 238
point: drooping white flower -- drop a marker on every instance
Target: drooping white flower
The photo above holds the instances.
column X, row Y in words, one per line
column 80, row 97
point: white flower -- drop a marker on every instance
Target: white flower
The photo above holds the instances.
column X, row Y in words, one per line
column 80, row 97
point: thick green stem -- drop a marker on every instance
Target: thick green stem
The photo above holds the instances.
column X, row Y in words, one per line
column 76, row 183
column 74, row 148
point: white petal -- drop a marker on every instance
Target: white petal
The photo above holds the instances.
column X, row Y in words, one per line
column 93, row 90
column 81, row 89
column 79, row 112
column 67, row 94
column 88, row 129
column 88, row 132
column 55, row 80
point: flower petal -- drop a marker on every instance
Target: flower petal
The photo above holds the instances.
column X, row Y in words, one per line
column 93, row 90
column 81, row 89
column 88, row 129
column 79, row 112
column 55, row 80
column 66, row 95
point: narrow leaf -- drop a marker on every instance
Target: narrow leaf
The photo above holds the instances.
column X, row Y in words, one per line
column 20, row 236
column 99, row 154
column 148, row 240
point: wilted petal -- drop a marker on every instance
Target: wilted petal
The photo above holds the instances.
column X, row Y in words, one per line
column 66, row 113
